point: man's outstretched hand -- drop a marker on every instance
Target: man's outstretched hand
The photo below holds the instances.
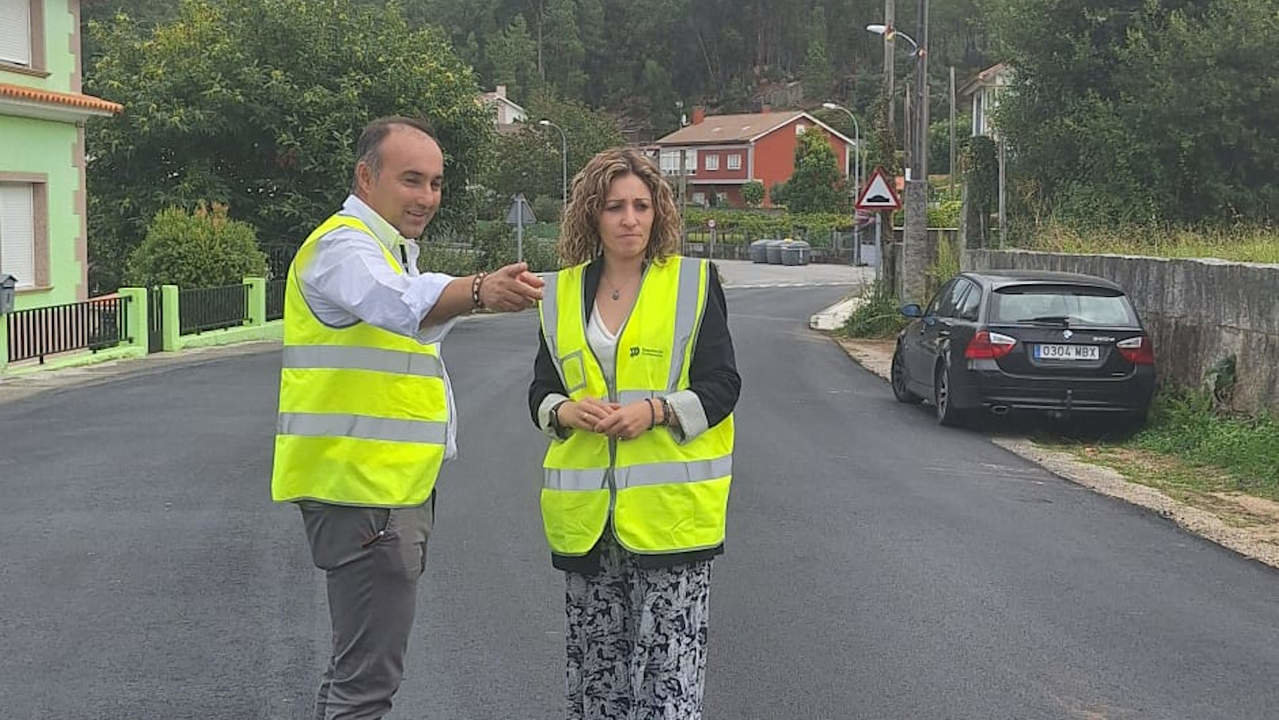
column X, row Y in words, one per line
column 511, row 288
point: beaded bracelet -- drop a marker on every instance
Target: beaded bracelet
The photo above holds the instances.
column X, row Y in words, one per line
column 475, row 289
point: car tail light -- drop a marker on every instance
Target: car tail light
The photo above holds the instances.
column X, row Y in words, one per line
column 1138, row 350
column 987, row 345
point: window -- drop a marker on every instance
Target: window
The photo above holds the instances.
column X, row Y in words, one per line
column 799, row 129
column 938, row 298
column 670, row 162
column 970, row 308
column 712, row 162
column 19, row 32
column 953, row 298
column 18, row 232
column 699, row 198
column 735, row 162
column 1061, row 304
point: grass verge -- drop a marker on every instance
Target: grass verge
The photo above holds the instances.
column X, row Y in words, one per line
column 1243, row 244
column 877, row 317
column 1189, row 448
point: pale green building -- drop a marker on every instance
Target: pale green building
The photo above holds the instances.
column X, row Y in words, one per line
column 42, row 164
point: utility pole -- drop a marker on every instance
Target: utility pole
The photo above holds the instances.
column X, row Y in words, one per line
column 890, row 8
column 999, row 139
column 908, row 133
column 917, row 251
column 921, row 85
column 950, row 191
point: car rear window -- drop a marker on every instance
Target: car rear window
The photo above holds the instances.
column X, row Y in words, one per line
column 1077, row 304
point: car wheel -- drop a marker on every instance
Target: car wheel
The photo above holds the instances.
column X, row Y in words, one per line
column 947, row 413
column 898, row 376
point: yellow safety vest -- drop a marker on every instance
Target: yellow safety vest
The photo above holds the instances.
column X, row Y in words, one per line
column 663, row 497
column 363, row 411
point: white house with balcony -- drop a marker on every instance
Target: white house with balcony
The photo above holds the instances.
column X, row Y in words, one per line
column 984, row 92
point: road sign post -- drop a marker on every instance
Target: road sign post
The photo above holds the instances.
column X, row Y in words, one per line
column 879, row 197
column 519, row 214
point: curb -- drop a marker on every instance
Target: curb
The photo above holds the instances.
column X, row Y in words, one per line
column 15, row 387
column 1109, row 482
column 834, row 317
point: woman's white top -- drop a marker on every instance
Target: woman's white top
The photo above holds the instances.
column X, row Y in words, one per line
column 602, row 342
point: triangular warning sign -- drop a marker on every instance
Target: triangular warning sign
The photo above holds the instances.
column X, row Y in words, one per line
column 878, row 193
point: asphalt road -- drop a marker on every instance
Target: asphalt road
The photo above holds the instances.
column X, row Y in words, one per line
column 878, row 566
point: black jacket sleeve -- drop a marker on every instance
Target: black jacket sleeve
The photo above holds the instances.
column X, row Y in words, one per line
column 545, row 379
column 713, row 372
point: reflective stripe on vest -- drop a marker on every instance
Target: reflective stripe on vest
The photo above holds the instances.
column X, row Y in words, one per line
column 363, row 412
column 360, row 426
column 663, row 497
column 638, row 475
column 363, row 358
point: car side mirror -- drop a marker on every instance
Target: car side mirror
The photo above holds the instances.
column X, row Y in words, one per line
column 912, row 310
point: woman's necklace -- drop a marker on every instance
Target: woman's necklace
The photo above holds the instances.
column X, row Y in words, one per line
column 617, row 292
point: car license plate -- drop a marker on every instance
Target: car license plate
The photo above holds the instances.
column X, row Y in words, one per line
column 1067, row 352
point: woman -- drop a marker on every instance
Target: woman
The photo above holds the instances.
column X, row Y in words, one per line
column 635, row 384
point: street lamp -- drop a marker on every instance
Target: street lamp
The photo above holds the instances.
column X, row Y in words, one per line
column 563, row 163
column 915, row 227
column 857, row 173
column 892, row 33
column 920, row 131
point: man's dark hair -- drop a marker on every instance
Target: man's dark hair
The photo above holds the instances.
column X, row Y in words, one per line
column 368, row 149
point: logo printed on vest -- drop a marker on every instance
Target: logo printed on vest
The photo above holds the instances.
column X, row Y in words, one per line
column 636, row 351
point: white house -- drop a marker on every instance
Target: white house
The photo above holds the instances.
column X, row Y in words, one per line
column 984, row 90
column 505, row 111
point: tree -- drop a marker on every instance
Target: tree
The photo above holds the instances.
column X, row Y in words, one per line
column 1133, row 111
column 777, row 194
column 529, row 161
column 753, row 193
column 817, row 71
column 565, row 53
column 815, row 185
column 656, row 89
column 257, row 104
column 512, row 57
column 939, row 142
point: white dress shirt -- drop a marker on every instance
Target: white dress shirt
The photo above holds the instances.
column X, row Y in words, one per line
column 348, row 281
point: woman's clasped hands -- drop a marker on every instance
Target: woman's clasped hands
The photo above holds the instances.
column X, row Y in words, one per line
column 620, row 422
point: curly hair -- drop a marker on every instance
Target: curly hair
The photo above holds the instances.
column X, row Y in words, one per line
column 579, row 234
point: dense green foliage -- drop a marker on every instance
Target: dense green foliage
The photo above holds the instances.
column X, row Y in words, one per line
column 815, row 185
column 257, row 104
column 1140, row 110
column 196, row 250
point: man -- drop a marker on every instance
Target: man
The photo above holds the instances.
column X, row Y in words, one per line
column 366, row 410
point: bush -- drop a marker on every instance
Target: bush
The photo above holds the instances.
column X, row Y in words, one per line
column 764, row 223
column 194, row 250
column 946, row 267
column 547, row 209
column 777, row 194
column 1187, row 424
column 496, row 245
column 944, row 215
column 753, row 193
column 879, row 316
column 446, row 259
